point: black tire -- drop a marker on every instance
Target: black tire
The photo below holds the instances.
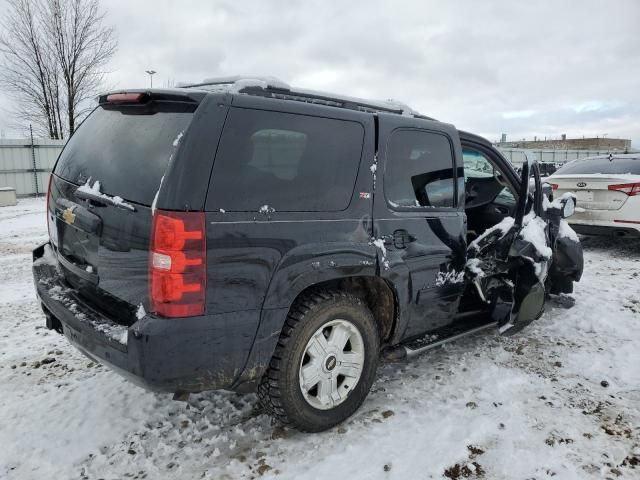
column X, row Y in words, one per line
column 279, row 390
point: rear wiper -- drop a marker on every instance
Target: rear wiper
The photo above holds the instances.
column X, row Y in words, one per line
column 89, row 194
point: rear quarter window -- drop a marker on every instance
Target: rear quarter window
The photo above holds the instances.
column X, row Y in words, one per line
column 285, row 161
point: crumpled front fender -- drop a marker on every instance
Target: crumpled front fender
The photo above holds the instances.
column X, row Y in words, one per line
column 566, row 267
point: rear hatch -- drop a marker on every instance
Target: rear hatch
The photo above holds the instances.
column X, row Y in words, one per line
column 102, row 193
column 599, row 183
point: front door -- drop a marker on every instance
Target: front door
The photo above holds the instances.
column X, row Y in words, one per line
column 419, row 220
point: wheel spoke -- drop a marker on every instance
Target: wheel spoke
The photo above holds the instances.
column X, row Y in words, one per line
column 339, row 337
column 335, row 394
column 310, row 375
column 324, row 391
column 317, row 346
column 350, row 365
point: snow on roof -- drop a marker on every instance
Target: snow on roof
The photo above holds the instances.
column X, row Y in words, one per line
column 237, row 83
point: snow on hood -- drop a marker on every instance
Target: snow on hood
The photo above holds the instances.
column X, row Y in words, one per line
column 534, row 232
column 504, row 226
column 473, row 265
column 565, row 231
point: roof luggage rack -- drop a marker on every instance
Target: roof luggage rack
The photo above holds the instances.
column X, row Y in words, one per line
column 271, row 87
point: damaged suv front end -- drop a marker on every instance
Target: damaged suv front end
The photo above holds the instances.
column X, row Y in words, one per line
column 516, row 263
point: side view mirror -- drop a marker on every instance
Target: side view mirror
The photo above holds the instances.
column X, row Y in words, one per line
column 568, row 207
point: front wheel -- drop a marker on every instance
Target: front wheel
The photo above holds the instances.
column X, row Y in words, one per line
column 324, row 364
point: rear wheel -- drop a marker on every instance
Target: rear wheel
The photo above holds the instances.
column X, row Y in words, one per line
column 324, row 364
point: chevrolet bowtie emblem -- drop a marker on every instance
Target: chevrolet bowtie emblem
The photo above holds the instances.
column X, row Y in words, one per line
column 68, row 216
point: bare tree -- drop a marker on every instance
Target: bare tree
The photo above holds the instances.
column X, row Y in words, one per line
column 29, row 68
column 83, row 46
column 54, row 55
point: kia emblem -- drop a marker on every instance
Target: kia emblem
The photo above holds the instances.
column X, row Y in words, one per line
column 581, row 184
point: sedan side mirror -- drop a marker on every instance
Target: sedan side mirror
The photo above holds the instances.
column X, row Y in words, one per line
column 568, row 207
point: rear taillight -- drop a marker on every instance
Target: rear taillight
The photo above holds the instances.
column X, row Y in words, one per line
column 554, row 186
column 177, row 265
column 630, row 189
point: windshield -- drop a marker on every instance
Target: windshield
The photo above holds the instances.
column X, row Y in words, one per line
column 126, row 151
column 602, row 165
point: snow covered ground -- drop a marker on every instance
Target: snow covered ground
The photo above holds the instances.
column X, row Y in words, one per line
column 560, row 400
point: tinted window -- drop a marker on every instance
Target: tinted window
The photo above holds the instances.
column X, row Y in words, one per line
column 128, row 153
column 616, row 166
column 285, row 161
column 419, row 170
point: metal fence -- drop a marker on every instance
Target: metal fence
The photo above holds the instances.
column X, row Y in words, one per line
column 25, row 164
column 517, row 155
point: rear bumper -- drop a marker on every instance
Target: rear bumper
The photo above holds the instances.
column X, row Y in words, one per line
column 172, row 355
column 621, row 222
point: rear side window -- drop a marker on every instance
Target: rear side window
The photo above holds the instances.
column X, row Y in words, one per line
column 285, row 161
column 419, row 170
column 616, row 166
column 125, row 150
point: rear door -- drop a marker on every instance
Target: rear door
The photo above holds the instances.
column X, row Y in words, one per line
column 103, row 189
column 419, row 219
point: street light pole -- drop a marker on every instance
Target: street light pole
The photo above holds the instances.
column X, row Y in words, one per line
column 151, row 73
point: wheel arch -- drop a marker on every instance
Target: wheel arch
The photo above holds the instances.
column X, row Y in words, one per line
column 379, row 295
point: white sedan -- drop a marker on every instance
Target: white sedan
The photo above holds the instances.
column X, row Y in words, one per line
column 607, row 190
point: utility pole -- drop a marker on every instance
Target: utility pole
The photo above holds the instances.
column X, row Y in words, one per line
column 151, row 74
column 33, row 162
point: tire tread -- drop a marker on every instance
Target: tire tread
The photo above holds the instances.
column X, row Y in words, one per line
column 269, row 390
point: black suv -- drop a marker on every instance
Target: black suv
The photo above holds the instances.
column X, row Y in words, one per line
column 240, row 234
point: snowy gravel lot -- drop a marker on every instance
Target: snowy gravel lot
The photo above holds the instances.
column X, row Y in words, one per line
column 561, row 400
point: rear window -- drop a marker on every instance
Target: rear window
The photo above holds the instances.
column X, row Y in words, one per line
column 286, row 162
column 616, row 166
column 125, row 150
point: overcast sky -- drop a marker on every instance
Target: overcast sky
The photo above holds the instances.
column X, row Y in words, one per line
column 522, row 68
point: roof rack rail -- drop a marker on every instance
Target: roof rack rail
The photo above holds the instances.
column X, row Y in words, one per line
column 272, row 87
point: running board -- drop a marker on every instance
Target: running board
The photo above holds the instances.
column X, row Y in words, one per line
column 410, row 352
column 430, row 342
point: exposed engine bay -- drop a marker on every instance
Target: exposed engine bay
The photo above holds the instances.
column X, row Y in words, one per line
column 515, row 263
